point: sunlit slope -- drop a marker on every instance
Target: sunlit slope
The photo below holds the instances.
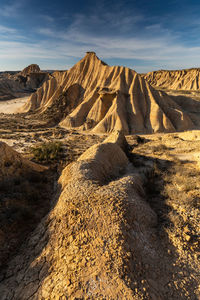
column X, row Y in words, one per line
column 175, row 80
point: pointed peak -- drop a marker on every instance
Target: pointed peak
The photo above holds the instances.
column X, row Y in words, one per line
column 92, row 55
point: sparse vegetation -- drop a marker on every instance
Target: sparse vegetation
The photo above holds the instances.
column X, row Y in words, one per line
column 47, row 152
column 159, row 148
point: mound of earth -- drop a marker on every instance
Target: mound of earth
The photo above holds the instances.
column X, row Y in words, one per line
column 21, row 84
column 25, row 189
column 13, row 164
column 188, row 79
column 95, row 96
column 100, row 239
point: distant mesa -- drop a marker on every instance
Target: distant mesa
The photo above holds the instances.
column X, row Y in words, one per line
column 101, row 98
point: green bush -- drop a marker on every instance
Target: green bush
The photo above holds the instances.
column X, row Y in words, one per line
column 47, row 152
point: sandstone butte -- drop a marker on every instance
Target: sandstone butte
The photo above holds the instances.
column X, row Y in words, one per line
column 99, row 239
column 188, row 79
column 22, row 83
column 34, row 68
column 101, row 98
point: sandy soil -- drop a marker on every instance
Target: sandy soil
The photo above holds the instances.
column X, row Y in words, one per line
column 10, row 106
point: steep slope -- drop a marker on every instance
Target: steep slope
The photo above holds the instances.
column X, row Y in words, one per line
column 100, row 239
column 94, row 96
column 175, row 80
column 22, row 83
column 22, row 183
column 46, row 94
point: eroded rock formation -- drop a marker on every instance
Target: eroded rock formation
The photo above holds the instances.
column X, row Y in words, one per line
column 175, row 80
column 34, row 68
column 22, row 83
column 94, row 96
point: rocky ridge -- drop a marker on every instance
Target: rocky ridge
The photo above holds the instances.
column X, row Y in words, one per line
column 99, row 240
column 188, row 79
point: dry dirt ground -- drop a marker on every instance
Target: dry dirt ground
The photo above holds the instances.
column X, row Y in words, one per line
column 10, row 106
column 170, row 169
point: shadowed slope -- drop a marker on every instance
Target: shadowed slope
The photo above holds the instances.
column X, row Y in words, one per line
column 95, row 96
column 23, row 184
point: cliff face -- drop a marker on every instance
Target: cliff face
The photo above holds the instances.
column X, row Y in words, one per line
column 94, row 96
column 175, row 80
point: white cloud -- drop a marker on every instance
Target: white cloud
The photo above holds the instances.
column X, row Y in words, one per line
column 4, row 29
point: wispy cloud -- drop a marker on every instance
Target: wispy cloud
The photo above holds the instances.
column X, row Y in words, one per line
column 119, row 34
column 4, row 29
column 11, row 9
column 156, row 44
column 47, row 18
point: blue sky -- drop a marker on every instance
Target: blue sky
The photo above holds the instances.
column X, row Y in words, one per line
column 144, row 35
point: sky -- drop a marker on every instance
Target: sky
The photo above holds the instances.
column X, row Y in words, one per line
column 144, row 35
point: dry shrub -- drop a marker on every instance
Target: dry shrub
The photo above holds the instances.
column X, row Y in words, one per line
column 47, row 152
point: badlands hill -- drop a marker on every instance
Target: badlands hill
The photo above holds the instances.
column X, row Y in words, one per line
column 22, row 83
column 95, row 96
column 188, row 79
